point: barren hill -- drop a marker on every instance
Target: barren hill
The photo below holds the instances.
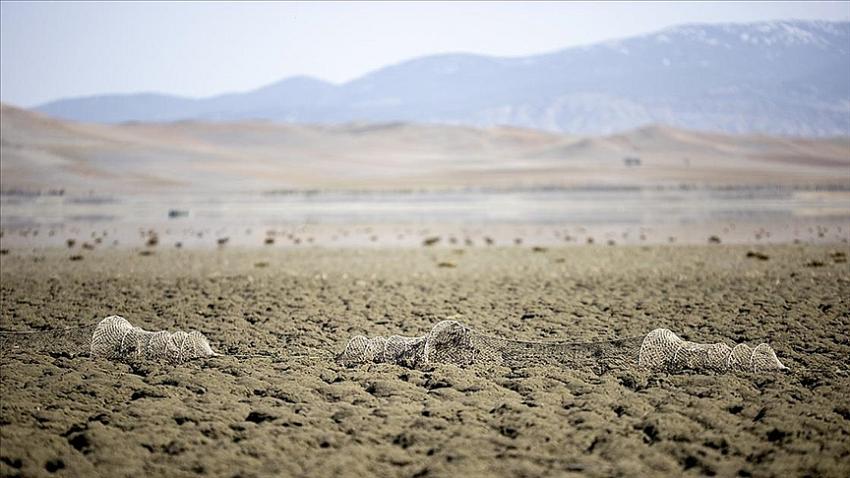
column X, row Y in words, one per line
column 40, row 153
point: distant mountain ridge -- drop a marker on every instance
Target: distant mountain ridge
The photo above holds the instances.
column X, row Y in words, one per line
column 787, row 78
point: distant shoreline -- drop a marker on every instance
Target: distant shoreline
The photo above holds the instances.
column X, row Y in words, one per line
column 827, row 187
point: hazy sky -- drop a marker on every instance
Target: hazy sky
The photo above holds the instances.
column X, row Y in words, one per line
column 54, row 50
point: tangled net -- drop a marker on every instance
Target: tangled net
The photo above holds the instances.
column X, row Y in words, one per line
column 448, row 342
column 661, row 350
column 115, row 338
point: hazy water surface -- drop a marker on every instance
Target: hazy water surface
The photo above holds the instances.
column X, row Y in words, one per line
column 613, row 209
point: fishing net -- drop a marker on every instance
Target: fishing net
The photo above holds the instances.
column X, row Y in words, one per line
column 448, row 342
column 451, row 342
column 59, row 342
column 116, row 339
column 661, row 349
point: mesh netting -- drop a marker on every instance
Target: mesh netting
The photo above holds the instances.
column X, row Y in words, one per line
column 448, row 342
column 661, row 350
column 116, row 339
column 60, row 342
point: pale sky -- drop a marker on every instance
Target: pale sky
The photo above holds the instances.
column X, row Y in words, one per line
column 55, row 50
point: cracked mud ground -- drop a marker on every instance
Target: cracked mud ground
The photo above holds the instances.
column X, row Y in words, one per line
column 298, row 413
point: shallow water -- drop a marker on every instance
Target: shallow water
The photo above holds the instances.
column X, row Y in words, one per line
column 656, row 215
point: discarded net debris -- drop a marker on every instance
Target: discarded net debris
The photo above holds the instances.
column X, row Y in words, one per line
column 451, row 342
column 115, row 338
column 448, row 342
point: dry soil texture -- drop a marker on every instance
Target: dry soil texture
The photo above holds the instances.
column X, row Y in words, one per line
column 298, row 413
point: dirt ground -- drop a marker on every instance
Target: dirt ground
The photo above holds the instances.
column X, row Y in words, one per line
column 298, row 413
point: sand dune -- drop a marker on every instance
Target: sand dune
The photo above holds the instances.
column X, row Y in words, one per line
column 40, row 153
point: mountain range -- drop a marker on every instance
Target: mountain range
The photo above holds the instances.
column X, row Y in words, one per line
column 786, row 77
